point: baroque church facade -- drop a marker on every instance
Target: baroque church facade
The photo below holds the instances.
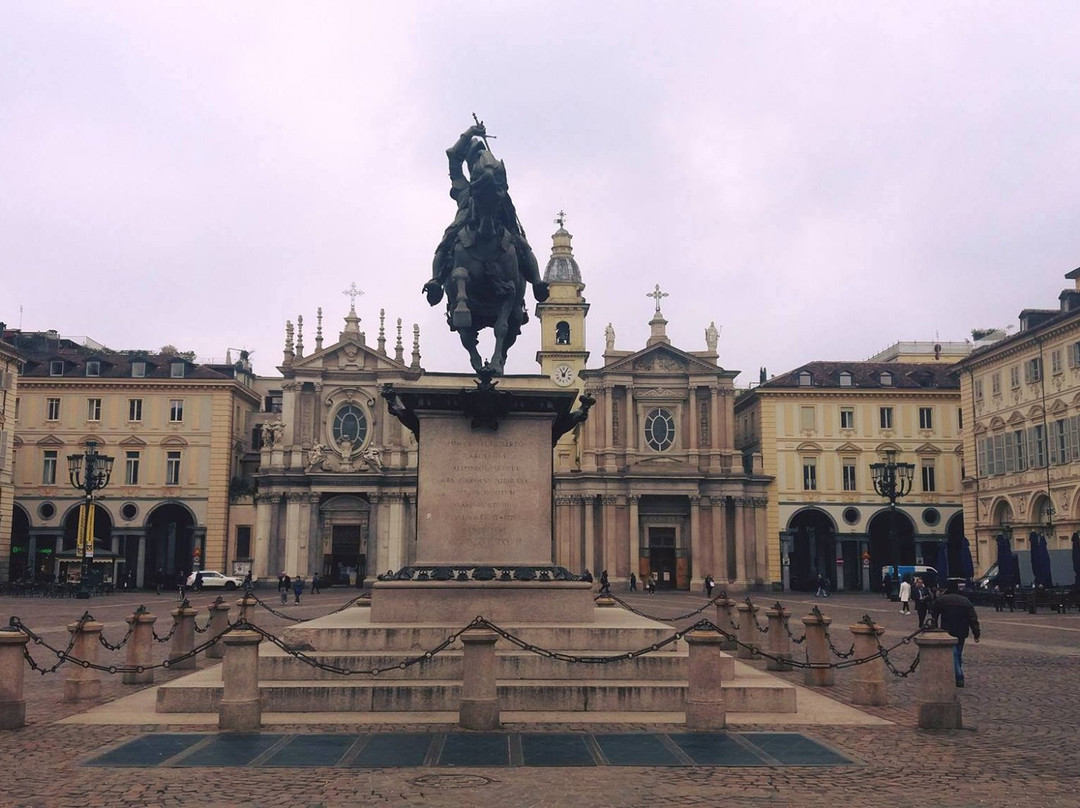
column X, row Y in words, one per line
column 651, row 484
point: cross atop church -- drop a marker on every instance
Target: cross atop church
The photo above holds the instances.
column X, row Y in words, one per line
column 657, row 295
column 560, row 220
column 354, row 292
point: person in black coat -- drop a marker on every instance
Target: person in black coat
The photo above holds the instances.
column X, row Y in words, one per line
column 955, row 614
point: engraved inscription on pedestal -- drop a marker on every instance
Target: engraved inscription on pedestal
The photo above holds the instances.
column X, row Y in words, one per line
column 484, row 496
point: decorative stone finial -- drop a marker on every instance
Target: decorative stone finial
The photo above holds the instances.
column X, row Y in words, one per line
column 318, row 329
column 399, row 350
column 299, row 335
column 382, row 331
column 416, row 346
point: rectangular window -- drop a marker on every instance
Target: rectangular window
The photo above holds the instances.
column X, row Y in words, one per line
column 1059, row 445
column 1073, row 428
column 93, row 368
column 995, row 384
column 176, row 370
column 172, row 468
column 56, row 367
column 131, row 468
column 1055, row 361
column 1014, row 377
column 1037, row 447
column 851, row 482
column 1033, row 370
column 1020, row 450
column 885, row 417
column 1074, row 355
column 17, row 408
column 93, row 409
column 847, row 417
column 176, row 410
column 134, row 409
column 48, row 467
column 52, row 409
column 807, row 418
column 980, row 457
column 928, row 476
column 999, row 454
column 809, row 474
column 959, row 417
column 926, row 417
column 243, row 541
column 977, row 384
column 138, row 370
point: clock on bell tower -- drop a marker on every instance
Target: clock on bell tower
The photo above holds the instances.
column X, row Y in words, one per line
column 562, row 353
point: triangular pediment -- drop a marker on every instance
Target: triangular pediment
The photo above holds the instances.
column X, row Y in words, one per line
column 663, row 359
column 348, row 354
column 996, row 422
column 1058, row 406
column 1016, row 419
column 50, row 440
column 132, row 440
column 928, row 448
column 1035, row 412
column 849, row 448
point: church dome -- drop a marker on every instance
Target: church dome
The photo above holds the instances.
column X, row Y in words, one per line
column 561, row 267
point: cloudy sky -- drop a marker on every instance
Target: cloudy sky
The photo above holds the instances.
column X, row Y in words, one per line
column 820, row 179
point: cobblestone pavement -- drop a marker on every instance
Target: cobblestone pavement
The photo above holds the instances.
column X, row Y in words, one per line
column 1019, row 745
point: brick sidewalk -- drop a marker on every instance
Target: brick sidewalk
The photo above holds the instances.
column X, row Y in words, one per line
column 1019, row 706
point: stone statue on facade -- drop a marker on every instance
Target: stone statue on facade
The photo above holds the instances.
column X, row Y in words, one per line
column 712, row 336
column 483, row 261
column 272, row 433
column 316, row 457
column 609, row 338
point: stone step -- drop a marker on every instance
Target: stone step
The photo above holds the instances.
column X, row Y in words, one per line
column 275, row 664
column 743, row 695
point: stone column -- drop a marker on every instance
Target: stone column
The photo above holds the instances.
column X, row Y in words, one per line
column 705, row 705
column 610, row 536
column 292, row 561
column 12, row 679
column 936, row 693
column 748, row 630
column 725, row 619
column 720, row 539
column 240, row 709
column 219, row 622
column 479, row 707
column 817, row 652
column 761, row 541
column 140, row 649
column 634, row 549
column 183, row 639
column 698, row 558
column 740, row 540
column 589, row 559
column 714, row 429
column 83, row 683
column 261, row 550
column 779, row 643
column 868, row 686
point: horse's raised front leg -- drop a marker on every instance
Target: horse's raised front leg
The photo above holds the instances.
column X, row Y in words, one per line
column 460, row 317
column 469, row 339
column 501, row 328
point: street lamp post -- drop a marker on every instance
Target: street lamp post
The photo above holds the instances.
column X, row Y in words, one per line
column 89, row 472
column 892, row 480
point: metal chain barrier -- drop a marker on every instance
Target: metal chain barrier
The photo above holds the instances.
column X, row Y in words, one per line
column 62, row 656
column 828, row 638
column 183, row 605
column 123, row 642
column 884, row 652
column 752, row 614
column 351, row 603
column 259, row 602
column 785, row 619
column 209, row 619
column 676, row 618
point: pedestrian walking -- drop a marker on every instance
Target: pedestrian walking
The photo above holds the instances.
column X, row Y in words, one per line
column 605, row 584
column 886, row 585
column 905, row 596
column 955, row 614
column 922, row 596
column 633, row 582
column 159, row 579
column 652, row 583
column 247, row 580
column 198, row 581
column 181, row 582
column 284, row 584
column 315, row 583
column 709, row 584
column 298, row 589
column 822, row 587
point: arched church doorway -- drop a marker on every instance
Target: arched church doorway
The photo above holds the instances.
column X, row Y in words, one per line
column 170, row 537
column 881, row 546
column 813, row 548
column 344, row 522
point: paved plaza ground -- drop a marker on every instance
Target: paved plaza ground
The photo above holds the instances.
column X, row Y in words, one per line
column 1019, row 746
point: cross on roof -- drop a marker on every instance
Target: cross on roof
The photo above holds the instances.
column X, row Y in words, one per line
column 353, row 292
column 656, row 295
column 560, row 220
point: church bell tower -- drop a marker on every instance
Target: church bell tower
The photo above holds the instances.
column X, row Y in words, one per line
column 562, row 353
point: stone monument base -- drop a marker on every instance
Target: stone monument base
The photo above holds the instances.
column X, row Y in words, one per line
column 408, row 602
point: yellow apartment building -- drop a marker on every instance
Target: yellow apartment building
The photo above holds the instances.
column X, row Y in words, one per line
column 9, row 381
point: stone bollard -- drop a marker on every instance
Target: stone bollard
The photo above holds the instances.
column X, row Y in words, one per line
column 868, row 686
column 725, row 617
column 247, row 606
column 779, row 643
column 479, row 696
column 817, row 652
column 83, row 683
column 240, row 708
column 705, row 705
column 183, row 639
column 140, row 649
column 936, row 693
column 219, row 622
column 12, row 664
column 748, row 630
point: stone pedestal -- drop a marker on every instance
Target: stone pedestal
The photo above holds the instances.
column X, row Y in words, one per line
column 240, row 709
column 248, row 607
column 725, row 620
column 183, row 639
column 479, row 696
column 12, row 670
column 868, row 686
column 749, row 635
column 779, row 643
column 936, row 693
column 817, row 652
column 83, row 683
column 219, row 622
column 140, row 649
column 705, row 705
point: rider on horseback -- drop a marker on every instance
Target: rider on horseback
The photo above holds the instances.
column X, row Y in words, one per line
column 484, row 169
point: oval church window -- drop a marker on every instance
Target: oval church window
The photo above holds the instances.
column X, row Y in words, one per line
column 350, row 424
column 659, row 430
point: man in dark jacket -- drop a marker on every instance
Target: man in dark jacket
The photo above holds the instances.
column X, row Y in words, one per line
column 955, row 614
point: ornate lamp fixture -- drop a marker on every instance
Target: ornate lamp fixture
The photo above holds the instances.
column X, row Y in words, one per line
column 892, row 480
column 88, row 472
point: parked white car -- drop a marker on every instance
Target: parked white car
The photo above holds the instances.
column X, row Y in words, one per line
column 212, row 579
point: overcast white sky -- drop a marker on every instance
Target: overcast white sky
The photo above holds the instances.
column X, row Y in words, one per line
column 820, row 179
